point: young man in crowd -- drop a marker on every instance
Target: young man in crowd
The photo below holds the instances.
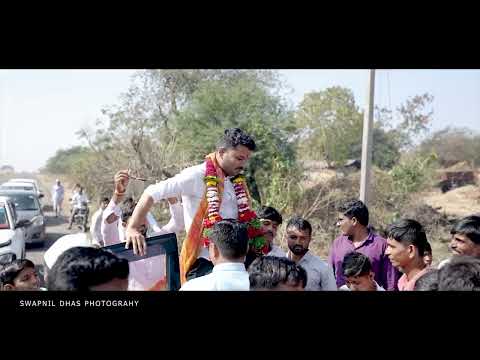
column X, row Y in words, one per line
column 88, row 269
column 353, row 220
column 19, row 275
column 465, row 238
column 358, row 273
column 319, row 273
column 271, row 220
column 227, row 249
column 272, row 273
column 406, row 243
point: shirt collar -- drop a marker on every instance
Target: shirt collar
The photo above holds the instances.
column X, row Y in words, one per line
column 229, row 267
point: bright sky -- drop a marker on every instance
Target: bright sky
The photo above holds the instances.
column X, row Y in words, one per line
column 40, row 110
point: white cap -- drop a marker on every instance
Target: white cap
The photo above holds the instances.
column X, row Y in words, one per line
column 63, row 244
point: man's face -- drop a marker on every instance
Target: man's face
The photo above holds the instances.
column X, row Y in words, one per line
column 361, row 283
column 27, row 280
column 269, row 228
column 298, row 240
column 462, row 245
column 427, row 258
column 234, row 160
column 399, row 254
column 104, row 205
column 112, row 285
column 345, row 224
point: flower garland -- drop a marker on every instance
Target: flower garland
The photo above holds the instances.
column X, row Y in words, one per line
column 245, row 214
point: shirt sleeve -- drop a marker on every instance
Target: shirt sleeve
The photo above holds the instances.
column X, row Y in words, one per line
column 390, row 275
column 112, row 208
column 180, row 184
column 328, row 279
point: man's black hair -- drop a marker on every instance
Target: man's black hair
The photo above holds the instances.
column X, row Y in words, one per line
column 468, row 226
column 267, row 272
column 356, row 264
column 428, row 281
column 80, row 268
column 9, row 271
column 408, row 232
column 104, row 199
column 269, row 213
column 231, row 238
column 234, row 137
column 355, row 209
column 300, row 224
column 462, row 273
column 428, row 248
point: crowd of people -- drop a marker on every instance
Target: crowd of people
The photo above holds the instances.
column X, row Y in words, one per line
column 229, row 246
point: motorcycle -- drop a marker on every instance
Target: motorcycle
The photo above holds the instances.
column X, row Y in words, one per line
column 81, row 217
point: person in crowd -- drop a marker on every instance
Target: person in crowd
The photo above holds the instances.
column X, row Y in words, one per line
column 298, row 237
column 356, row 235
column 462, row 273
column 227, row 249
column 271, row 220
column 19, row 275
column 88, row 269
column 96, row 222
column 273, row 273
column 58, row 193
column 357, row 270
column 406, row 244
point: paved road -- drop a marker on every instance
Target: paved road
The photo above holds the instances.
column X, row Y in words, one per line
column 55, row 228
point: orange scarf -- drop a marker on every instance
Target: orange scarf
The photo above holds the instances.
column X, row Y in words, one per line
column 193, row 243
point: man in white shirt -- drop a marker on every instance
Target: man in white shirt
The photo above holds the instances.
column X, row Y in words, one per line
column 357, row 270
column 58, row 193
column 271, row 220
column 96, row 224
column 227, row 248
column 78, row 200
column 319, row 273
column 231, row 155
column 144, row 274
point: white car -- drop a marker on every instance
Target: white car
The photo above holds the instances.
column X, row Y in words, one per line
column 29, row 181
column 12, row 232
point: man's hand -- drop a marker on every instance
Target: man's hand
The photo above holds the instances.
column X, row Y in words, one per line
column 121, row 181
column 137, row 240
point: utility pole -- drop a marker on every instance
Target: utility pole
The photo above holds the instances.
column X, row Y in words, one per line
column 367, row 141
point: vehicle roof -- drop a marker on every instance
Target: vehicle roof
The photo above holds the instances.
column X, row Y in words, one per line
column 6, row 193
column 23, row 180
column 17, row 183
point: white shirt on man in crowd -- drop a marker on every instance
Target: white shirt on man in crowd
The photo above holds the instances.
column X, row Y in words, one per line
column 277, row 251
column 96, row 226
column 190, row 186
column 228, row 276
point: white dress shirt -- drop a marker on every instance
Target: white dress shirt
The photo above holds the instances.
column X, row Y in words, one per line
column 96, row 226
column 190, row 185
column 57, row 193
column 224, row 277
column 319, row 273
column 78, row 199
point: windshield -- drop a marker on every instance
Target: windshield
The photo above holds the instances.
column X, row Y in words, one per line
column 3, row 218
column 24, row 202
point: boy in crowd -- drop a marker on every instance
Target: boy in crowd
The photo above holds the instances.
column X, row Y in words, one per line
column 19, row 275
column 357, row 270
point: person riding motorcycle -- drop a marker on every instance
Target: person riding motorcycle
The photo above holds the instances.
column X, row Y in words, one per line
column 79, row 201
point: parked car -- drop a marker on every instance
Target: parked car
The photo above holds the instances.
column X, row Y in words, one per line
column 12, row 232
column 30, row 181
column 27, row 207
